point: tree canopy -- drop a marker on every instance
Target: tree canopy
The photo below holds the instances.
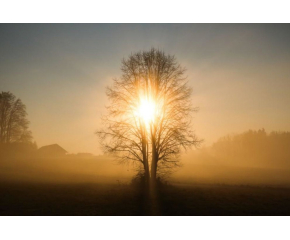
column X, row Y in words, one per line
column 13, row 120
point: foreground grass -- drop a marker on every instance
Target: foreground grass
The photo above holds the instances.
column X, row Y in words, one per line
column 31, row 199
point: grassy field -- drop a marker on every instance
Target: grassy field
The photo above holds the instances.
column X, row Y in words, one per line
column 96, row 186
column 83, row 199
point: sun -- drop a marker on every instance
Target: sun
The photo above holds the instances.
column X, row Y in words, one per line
column 146, row 110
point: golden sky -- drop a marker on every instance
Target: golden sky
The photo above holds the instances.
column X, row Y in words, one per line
column 239, row 73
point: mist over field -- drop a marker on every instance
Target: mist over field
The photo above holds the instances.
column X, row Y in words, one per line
column 252, row 157
column 249, row 158
column 66, row 169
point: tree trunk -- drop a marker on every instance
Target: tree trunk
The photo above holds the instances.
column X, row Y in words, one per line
column 154, row 164
column 145, row 159
column 147, row 173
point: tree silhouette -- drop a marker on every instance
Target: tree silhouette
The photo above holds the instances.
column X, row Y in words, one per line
column 13, row 121
column 149, row 116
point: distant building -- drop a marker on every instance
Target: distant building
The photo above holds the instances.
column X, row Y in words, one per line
column 53, row 150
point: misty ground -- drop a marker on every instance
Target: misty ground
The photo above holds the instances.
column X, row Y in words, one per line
column 97, row 186
column 126, row 200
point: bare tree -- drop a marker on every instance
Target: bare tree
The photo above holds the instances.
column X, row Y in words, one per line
column 13, row 121
column 149, row 116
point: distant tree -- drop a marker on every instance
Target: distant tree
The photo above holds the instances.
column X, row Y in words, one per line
column 149, row 116
column 13, row 120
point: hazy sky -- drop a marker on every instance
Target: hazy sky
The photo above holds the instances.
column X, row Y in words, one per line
column 240, row 74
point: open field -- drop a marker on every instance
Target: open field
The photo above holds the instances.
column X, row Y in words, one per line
column 125, row 200
column 100, row 187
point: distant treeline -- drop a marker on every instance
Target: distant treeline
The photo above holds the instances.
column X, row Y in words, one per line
column 250, row 149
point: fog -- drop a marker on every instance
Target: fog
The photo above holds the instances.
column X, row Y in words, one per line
column 249, row 158
column 64, row 170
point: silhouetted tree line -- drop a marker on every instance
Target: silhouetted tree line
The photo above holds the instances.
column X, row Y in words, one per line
column 256, row 148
